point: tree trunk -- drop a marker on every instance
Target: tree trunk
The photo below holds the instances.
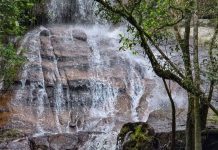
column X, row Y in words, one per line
column 190, row 124
column 197, row 126
column 203, row 112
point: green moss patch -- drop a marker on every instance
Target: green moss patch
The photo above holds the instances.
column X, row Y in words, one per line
column 9, row 134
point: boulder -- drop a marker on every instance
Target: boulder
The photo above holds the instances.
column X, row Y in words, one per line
column 79, row 34
column 44, row 33
column 139, row 136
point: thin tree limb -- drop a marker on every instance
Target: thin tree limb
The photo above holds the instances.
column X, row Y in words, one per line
column 173, row 138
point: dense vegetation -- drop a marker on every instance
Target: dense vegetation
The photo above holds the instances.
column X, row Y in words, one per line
column 155, row 22
column 14, row 20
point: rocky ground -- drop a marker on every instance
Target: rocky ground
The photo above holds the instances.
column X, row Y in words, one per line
column 46, row 142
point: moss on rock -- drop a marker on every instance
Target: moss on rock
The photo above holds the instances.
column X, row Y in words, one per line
column 137, row 136
column 9, row 134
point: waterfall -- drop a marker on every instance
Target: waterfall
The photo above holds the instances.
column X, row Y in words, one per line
column 71, row 11
column 75, row 79
column 136, row 92
column 37, row 88
column 58, row 94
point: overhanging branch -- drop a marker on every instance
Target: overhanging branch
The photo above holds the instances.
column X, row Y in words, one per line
column 126, row 14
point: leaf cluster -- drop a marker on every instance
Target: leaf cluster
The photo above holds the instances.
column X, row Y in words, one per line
column 140, row 136
column 10, row 63
column 13, row 17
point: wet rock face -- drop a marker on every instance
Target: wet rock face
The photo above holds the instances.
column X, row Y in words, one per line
column 4, row 108
column 139, row 135
column 64, row 11
column 70, row 11
column 160, row 119
column 74, row 80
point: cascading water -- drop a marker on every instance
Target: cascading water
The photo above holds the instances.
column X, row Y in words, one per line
column 58, row 94
column 75, row 78
column 68, row 11
column 37, row 87
column 136, row 92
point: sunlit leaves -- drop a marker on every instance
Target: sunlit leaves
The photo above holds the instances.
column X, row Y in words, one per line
column 12, row 15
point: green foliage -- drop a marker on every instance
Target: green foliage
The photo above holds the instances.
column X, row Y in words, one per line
column 208, row 8
column 156, row 14
column 107, row 14
column 140, row 136
column 134, row 136
column 9, row 134
column 152, row 15
column 14, row 15
column 128, row 43
column 10, row 63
